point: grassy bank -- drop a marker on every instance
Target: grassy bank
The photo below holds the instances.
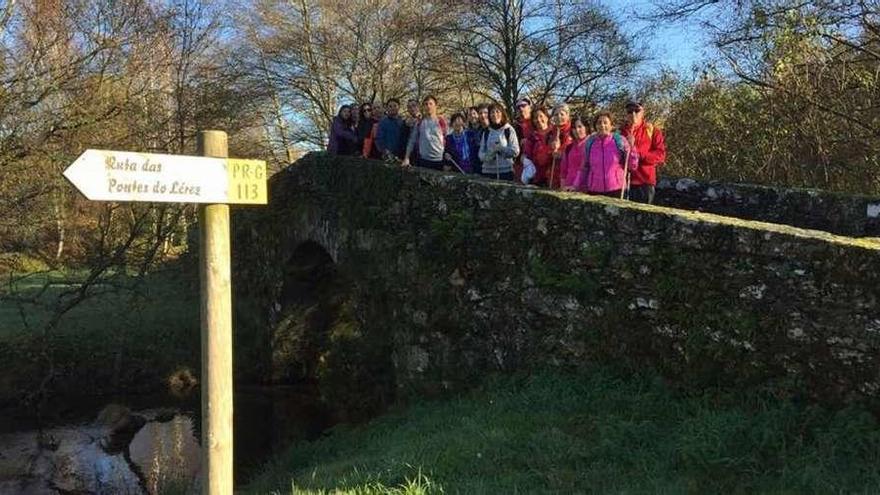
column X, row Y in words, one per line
column 595, row 433
column 127, row 337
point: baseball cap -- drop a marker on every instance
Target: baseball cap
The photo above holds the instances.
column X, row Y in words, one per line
column 633, row 104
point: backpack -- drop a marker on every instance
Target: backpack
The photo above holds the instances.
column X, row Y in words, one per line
column 506, row 135
column 618, row 141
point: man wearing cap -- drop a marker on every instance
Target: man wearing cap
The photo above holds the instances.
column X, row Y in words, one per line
column 523, row 127
column 649, row 142
column 523, row 123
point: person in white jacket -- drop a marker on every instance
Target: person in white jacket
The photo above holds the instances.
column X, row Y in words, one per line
column 499, row 146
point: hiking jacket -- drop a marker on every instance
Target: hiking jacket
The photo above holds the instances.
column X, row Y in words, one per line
column 537, row 149
column 498, row 148
column 342, row 138
column 572, row 162
column 364, row 129
column 459, row 147
column 651, row 146
column 370, row 150
column 523, row 129
column 475, row 137
column 564, row 141
column 389, row 136
column 604, row 168
column 428, row 139
column 405, row 130
column 564, row 135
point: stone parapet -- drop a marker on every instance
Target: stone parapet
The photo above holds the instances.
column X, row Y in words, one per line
column 851, row 215
column 458, row 277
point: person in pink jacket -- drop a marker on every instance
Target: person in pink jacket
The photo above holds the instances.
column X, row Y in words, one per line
column 574, row 156
column 606, row 152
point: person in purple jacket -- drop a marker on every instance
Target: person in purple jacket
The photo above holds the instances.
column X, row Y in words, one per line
column 343, row 136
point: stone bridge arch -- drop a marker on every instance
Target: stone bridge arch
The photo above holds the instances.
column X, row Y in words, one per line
column 301, row 297
column 308, row 302
column 454, row 277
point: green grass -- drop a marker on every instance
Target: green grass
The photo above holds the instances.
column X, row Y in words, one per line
column 127, row 337
column 152, row 300
column 596, row 433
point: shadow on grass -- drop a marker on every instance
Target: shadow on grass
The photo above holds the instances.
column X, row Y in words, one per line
column 590, row 433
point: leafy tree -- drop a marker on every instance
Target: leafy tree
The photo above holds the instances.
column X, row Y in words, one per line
column 815, row 91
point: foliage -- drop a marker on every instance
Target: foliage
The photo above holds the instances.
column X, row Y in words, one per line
column 133, row 75
column 130, row 75
column 128, row 336
column 732, row 131
column 577, row 283
column 800, row 105
column 592, row 433
column 451, row 235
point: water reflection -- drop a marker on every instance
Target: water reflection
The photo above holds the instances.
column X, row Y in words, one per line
column 153, row 450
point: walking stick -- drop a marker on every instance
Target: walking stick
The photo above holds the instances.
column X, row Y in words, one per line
column 450, row 160
column 497, row 167
column 624, row 191
column 555, row 158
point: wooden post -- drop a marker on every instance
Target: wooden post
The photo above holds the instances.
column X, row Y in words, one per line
column 216, row 318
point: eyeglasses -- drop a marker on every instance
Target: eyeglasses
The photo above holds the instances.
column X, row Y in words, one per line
column 368, row 109
column 633, row 110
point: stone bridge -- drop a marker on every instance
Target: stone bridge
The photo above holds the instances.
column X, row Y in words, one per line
column 379, row 281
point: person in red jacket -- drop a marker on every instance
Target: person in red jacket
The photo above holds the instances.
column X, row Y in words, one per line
column 649, row 142
column 538, row 148
column 523, row 124
column 523, row 127
column 561, row 120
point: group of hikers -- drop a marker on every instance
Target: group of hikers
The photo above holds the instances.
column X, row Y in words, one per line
column 546, row 147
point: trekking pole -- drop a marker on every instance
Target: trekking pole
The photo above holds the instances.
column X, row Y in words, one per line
column 450, row 160
column 624, row 191
column 555, row 157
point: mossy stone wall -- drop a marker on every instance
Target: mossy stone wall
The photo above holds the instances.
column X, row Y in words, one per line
column 454, row 277
column 851, row 215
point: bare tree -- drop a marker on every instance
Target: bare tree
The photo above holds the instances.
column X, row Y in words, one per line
column 312, row 54
column 551, row 50
column 825, row 54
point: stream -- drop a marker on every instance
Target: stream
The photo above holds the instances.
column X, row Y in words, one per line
column 146, row 444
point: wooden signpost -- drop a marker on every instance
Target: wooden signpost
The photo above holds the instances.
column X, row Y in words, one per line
column 218, row 181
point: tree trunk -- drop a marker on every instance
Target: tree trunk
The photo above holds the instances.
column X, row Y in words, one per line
column 60, row 224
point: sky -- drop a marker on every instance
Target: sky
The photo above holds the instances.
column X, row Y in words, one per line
column 678, row 47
